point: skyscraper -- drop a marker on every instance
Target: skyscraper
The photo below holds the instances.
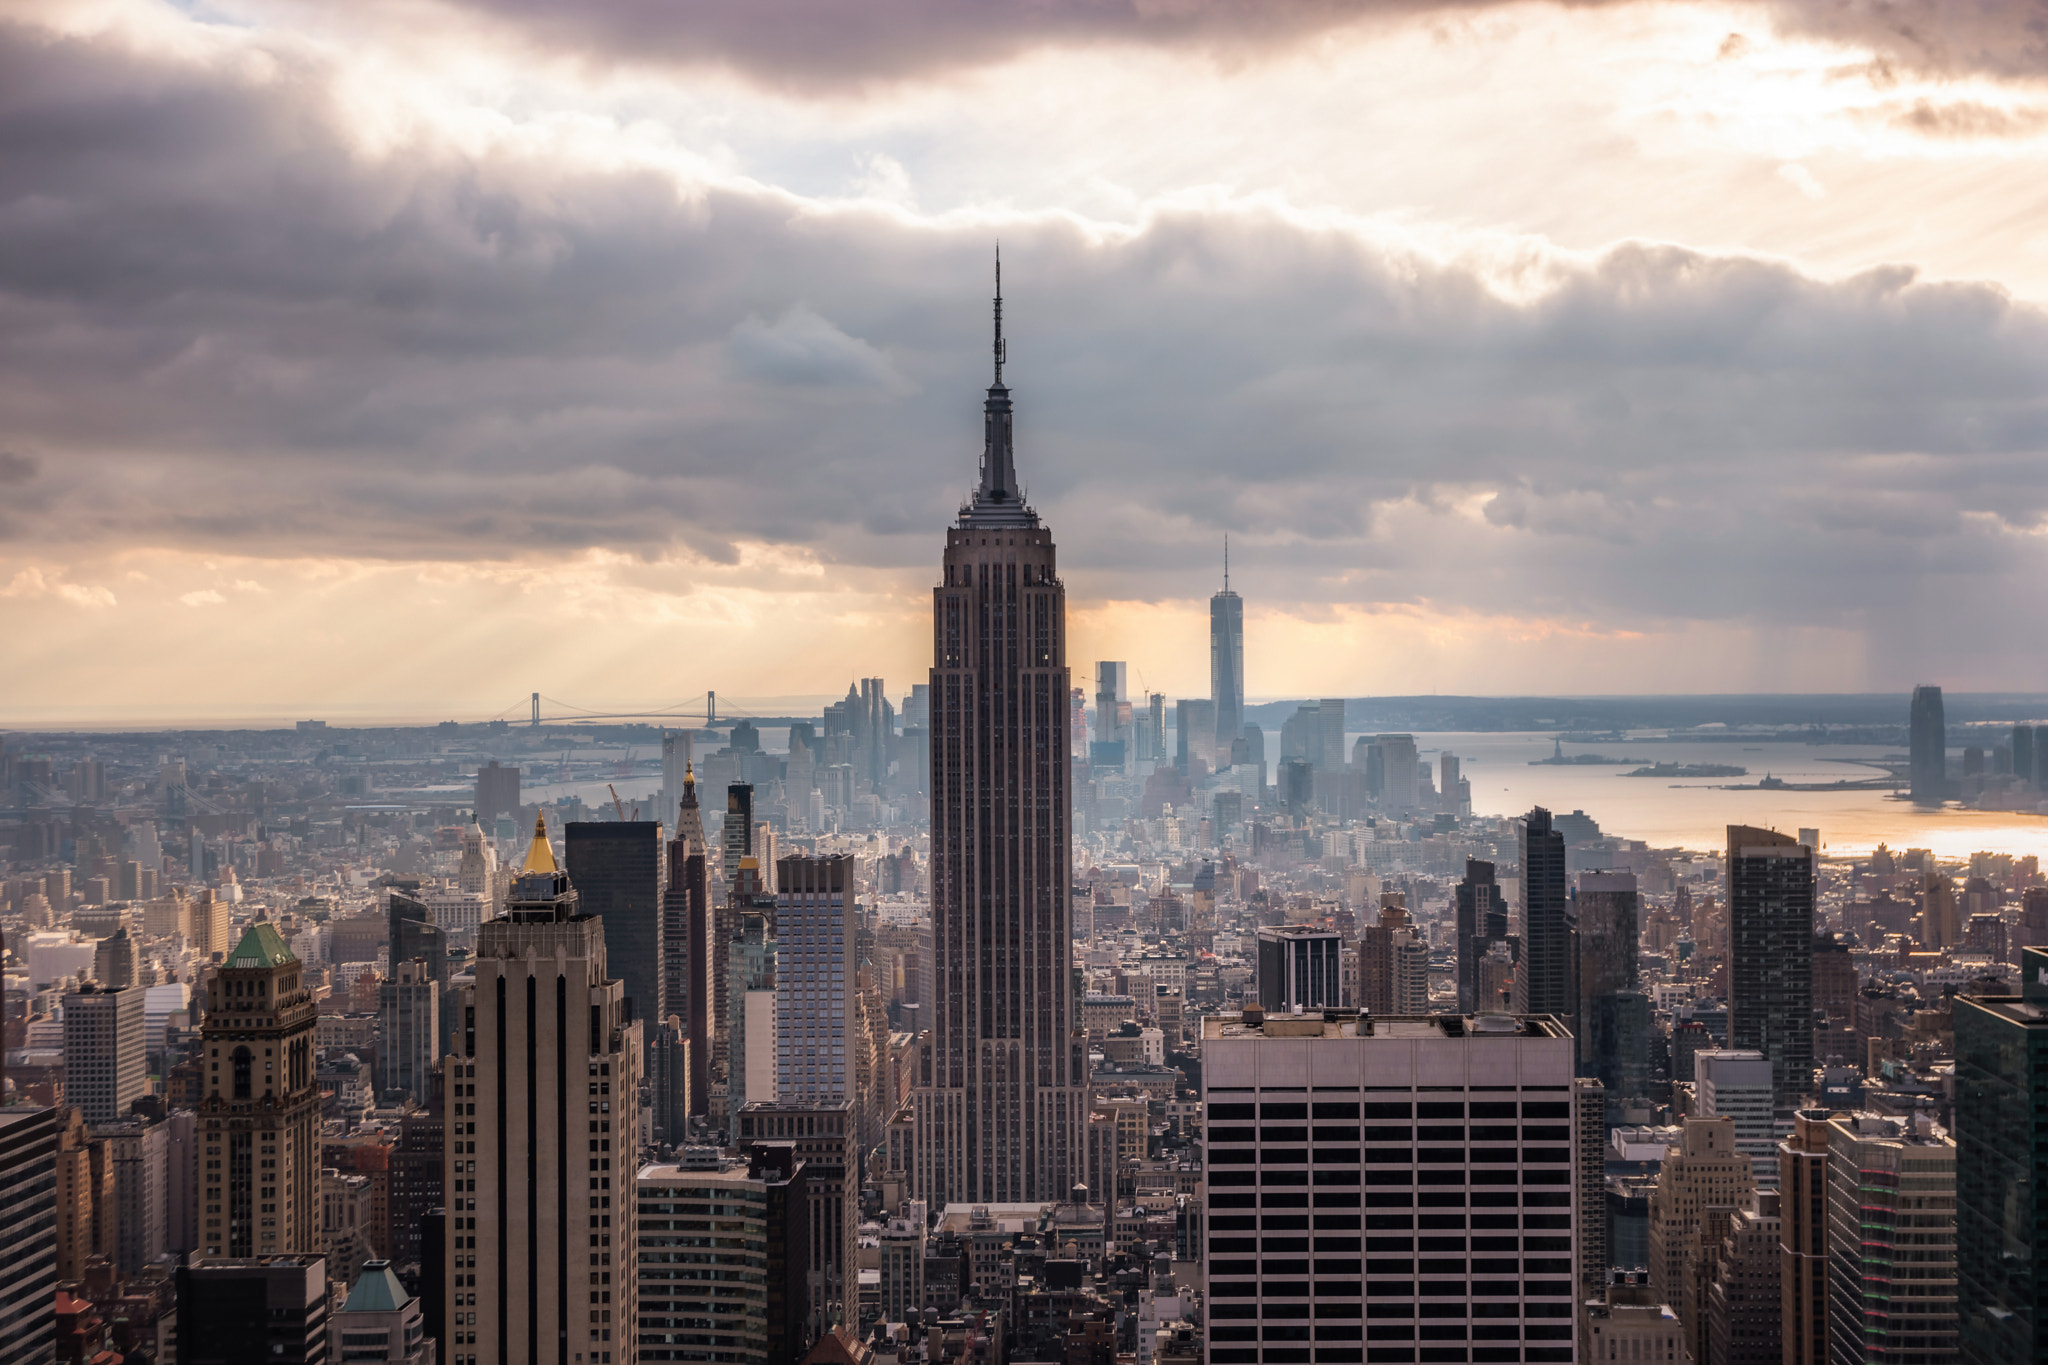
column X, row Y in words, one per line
column 1000, row 1113
column 1927, row 734
column 817, row 1037
column 1330, row 733
column 409, row 1033
column 259, row 1120
column 1112, row 682
column 106, row 1060
column 29, row 1213
column 676, row 748
column 1613, row 1022
column 1543, row 981
column 1770, row 941
column 2001, row 1208
column 1440, row 1125
column 1892, row 1269
column 616, row 868
column 687, row 956
column 497, row 792
column 541, row 1139
column 1482, row 920
column 1226, row 662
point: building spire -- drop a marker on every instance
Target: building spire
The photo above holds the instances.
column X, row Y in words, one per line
column 998, row 458
column 999, row 315
column 1226, row 561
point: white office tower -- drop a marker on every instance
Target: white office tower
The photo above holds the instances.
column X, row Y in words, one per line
column 816, row 1034
column 1735, row 1083
column 1436, row 1151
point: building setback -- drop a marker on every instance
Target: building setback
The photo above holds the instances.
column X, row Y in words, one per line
column 1441, row 1151
column 1002, row 1103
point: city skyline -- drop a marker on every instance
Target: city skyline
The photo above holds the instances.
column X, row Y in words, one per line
column 1468, row 432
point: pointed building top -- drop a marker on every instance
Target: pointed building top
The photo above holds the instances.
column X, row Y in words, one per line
column 998, row 502
column 999, row 315
column 690, row 780
column 541, row 856
column 261, row 946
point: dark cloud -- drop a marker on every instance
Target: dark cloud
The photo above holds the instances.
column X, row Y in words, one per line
column 18, row 469
column 222, row 326
column 1969, row 120
column 805, row 48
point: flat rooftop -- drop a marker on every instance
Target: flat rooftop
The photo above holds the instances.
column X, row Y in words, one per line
column 1340, row 1024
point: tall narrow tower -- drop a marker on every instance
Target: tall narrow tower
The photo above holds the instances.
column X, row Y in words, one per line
column 1226, row 662
column 1000, row 1112
column 259, row 1121
column 541, row 1139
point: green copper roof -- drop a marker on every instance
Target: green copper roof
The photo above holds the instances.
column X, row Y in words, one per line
column 261, row 947
column 378, row 1291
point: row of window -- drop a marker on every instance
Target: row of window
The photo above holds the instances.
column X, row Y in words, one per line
column 1428, row 1132
column 1399, row 1109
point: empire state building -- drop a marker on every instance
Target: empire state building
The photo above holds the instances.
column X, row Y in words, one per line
column 1001, row 1108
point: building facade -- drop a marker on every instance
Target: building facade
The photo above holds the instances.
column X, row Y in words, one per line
column 1543, row 978
column 106, row 1061
column 1441, row 1155
column 1891, row 1242
column 816, row 1038
column 259, row 1117
column 1770, row 952
column 28, row 1234
column 1003, row 1101
column 2001, row 1150
column 541, row 1139
column 617, row 869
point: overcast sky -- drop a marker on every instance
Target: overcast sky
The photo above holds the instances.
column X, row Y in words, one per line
column 407, row 356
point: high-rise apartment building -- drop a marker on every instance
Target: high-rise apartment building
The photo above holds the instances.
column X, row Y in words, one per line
column 616, row 868
column 1891, row 1241
column 2001, row 1148
column 1543, row 979
column 259, row 1116
column 28, row 1232
column 1803, row 1240
column 106, row 1060
column 1442, row 1158
column 742, row 1296
column 1927, row 739
column 817, row 1033
column 1000, row 1114
column 542, row 1139
column 497, row 792
column 1770, row 950
column 1226, row 664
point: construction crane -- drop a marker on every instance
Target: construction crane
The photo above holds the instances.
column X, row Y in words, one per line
column 618, row 806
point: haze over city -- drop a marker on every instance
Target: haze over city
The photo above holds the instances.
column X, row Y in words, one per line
column 1101, row 682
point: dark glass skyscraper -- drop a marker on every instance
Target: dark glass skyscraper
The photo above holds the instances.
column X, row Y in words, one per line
column 1482, row 921
column 1000, row 1112
column 1543, row 979
column 2001, row 1149
column 1770, row 970
column 617, row 870
column 1927, row 733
